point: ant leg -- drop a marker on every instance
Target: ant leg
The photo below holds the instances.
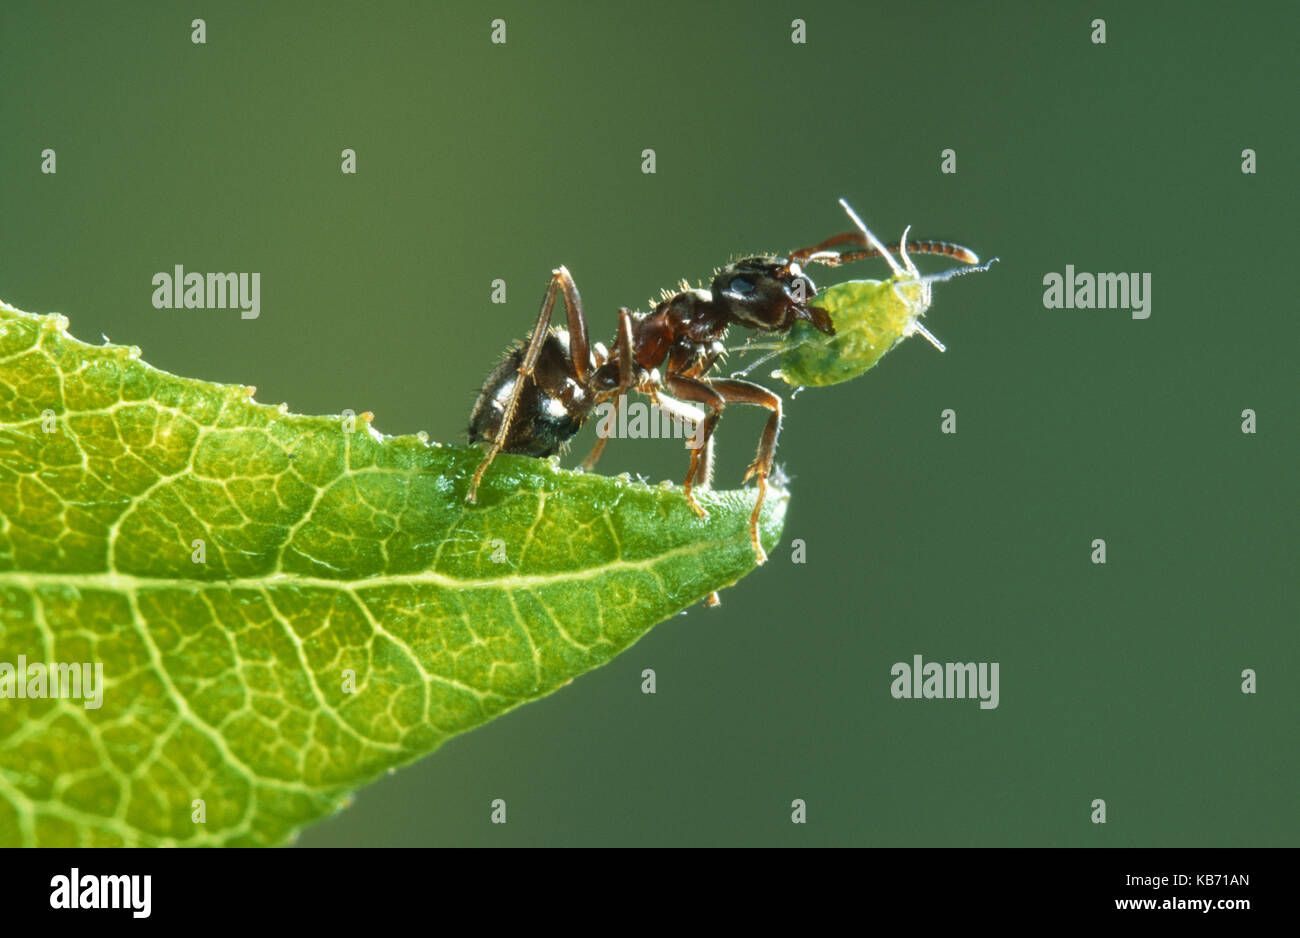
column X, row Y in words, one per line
column 693, row 418
column 626, row 379
column 579, row 357
column 691, row 389
column 579, row 346
column 692, row 421
column 743, row 392
column 589, row 463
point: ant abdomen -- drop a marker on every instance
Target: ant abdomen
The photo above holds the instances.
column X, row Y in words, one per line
column 550, row 409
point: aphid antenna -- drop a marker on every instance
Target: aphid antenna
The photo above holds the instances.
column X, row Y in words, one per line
column 915, row 324
column 944, row 275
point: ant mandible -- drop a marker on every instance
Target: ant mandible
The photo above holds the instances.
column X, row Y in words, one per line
column 540, row 394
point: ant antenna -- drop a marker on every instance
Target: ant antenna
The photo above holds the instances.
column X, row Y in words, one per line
column 823, row 254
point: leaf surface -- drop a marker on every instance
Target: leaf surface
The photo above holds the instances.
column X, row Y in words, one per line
column 286, row 606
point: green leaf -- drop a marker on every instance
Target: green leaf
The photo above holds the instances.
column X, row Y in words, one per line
column 323, row 552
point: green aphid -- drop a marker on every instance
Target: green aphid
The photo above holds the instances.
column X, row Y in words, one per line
column 870, row 316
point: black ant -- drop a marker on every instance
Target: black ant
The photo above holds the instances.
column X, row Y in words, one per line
column 538, row 397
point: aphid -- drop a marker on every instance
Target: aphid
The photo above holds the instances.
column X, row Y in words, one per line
column 540, row 394
column 870, row 316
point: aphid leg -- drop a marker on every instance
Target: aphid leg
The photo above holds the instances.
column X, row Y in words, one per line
column 875, row 242
column 626, row 379
column 915, row 326
column 579, row 355
column 692, row 389
column 743, row 392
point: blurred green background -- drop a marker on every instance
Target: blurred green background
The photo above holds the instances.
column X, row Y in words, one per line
column 479, row 161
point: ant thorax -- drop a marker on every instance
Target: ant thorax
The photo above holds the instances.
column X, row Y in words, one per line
column 691, row 316
column 682, row 332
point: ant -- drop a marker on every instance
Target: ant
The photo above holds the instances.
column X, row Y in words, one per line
column 540, row 394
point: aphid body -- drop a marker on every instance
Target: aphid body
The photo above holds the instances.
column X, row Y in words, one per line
column 870, row 316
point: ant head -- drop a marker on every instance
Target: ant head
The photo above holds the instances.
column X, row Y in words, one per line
column 768, row 294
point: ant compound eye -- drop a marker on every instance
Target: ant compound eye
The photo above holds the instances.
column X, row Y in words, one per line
column 741, row 286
